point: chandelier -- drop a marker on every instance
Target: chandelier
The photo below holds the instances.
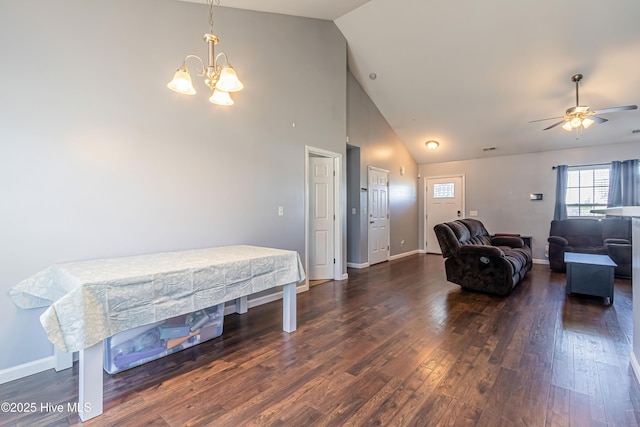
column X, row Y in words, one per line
column 220, row 78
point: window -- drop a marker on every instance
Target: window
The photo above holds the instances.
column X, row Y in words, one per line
column 587, row 188
column 444, row 191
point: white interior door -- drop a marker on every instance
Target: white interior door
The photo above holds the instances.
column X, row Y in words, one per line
column 378, row 215
column 321, row 219
column 444, row 200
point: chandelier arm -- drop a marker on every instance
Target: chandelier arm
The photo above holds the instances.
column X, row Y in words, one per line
column 226, row 59
column 201, row 72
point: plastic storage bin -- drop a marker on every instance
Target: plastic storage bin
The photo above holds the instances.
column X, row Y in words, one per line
column 143, row 344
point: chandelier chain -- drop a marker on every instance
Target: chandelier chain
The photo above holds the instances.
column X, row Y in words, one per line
column 211, row 3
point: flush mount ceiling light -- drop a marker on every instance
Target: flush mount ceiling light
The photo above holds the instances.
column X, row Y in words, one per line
column 220, row 79
column 432, row 145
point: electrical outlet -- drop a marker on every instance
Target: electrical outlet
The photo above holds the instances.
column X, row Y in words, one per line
column 401, row 242
column 473, row 213
column 280, row 211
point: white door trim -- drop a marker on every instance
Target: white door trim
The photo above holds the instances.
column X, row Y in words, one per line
column 424, row 196
column 321, row 218
column 370, row 168
column 337, row 197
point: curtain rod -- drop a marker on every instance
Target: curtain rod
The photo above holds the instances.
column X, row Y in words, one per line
column 582, row 166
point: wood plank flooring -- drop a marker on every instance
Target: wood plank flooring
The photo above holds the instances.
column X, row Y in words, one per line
column 395, row 345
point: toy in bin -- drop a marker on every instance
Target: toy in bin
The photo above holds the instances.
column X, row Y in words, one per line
column 143, row 344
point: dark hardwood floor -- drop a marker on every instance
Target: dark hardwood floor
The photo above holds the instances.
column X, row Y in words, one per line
column 394, row 345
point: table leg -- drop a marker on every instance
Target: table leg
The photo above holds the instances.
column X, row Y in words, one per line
column 289, row 307
column 62, row 359
column 90, row 382
column 241, row 305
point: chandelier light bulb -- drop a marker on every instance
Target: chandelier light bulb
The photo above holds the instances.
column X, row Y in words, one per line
column 229, row 81
column 220, row 97
column 567, row 126
column 576, row 122
column 181, row 82
column 586, row 122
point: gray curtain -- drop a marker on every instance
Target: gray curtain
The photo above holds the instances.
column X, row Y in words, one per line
column 561, row 192
column 615, row 184
column 630, row 183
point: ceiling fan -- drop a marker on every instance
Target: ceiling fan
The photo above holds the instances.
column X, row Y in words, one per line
column 581, row 116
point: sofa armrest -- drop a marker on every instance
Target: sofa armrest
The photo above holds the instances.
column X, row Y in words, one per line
column 483, row 250
column 560, row 241
column 616, row 242
column 620, row 253
column 507, row 240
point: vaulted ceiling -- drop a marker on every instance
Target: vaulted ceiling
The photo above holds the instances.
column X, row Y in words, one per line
column 473, row 74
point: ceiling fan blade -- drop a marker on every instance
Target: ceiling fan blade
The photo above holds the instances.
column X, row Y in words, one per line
column 550, row 118
column 554, row 125
column 597, row 119
column 616, row 109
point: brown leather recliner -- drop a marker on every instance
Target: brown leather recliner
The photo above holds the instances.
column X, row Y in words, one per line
column 480, row 262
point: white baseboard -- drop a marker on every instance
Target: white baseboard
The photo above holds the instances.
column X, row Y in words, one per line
column 354, row 265
column 540, row 261
column 404, row 254
column 345, row 276
column 26, row 369
column 422, row 251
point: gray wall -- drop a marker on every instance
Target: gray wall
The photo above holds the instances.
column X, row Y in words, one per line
column 499, row 187
column 354, row 204
column 380, row 147
column 99, row 159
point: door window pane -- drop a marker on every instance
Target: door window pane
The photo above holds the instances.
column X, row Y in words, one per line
column 445, row 190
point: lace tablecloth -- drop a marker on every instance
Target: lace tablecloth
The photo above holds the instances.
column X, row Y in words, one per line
column 92, row 300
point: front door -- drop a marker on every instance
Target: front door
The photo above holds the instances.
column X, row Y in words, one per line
column 378, row 215
column 321, row 218
column 444, row 203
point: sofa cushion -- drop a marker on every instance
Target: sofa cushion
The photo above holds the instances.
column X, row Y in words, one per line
column 582, row 232
column 616, row 228
column 460, row 231
column 478, row 235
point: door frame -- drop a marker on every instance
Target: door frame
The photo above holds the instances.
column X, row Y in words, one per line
column 425, row 204
column 310, row 151
column 369, row 169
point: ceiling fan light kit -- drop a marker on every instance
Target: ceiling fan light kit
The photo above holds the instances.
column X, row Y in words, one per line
column 581, row 116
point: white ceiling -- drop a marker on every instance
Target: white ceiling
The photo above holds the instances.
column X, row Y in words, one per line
column 320, row 9
column 473, row 74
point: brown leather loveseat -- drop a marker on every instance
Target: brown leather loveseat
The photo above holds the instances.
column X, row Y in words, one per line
column 480, row 262
column 607, row 236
